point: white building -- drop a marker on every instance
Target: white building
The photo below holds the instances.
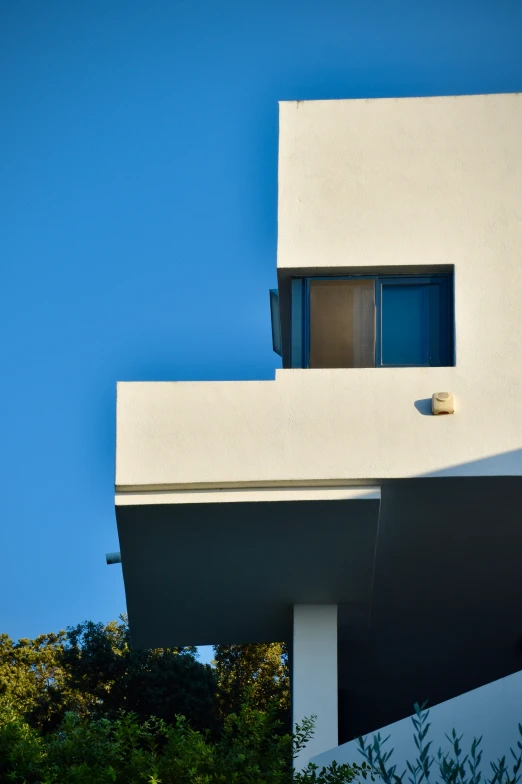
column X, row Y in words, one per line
column 392, row 538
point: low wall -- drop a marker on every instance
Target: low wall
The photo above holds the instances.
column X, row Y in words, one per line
column 493, row 712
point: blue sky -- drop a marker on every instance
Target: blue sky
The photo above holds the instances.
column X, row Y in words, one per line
column 138, row 184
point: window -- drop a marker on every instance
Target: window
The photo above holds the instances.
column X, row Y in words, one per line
column 372, row 321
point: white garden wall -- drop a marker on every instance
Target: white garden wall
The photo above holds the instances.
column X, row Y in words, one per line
column 493, row 711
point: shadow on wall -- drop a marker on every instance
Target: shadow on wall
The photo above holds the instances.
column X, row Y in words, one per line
column 424, row 406
column 492, row 711
column 503, row 464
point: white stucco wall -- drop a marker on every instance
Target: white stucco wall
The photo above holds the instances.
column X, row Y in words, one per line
column 314, row 675
column 317, row 426
column 424, row 181
column 404, row 181
column 492, row 712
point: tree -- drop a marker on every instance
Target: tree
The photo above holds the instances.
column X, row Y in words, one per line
column 91, row 670
column 162, row 682
column 33, row 679
column 261, row 670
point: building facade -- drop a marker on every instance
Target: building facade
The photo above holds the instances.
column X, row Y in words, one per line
column 391, row 536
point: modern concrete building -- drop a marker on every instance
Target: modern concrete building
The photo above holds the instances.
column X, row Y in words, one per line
column 392, row 538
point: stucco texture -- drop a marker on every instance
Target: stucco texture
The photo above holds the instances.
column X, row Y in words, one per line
column 318, row 426
column 401, row 181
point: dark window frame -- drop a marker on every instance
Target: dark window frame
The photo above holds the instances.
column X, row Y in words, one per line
column 300, row 314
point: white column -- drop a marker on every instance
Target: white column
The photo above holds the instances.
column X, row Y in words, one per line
column 314, row 675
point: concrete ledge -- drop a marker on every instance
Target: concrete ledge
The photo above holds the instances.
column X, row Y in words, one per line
column 266, row 494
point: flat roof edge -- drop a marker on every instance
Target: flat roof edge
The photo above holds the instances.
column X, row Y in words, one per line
column 250, row 495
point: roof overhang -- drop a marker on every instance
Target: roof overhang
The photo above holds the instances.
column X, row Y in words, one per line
column 209, row 572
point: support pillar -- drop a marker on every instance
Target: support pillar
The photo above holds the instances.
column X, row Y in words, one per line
column 314, row 676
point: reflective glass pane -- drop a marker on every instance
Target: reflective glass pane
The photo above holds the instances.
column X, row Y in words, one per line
column 342, row 323
column 404, row 324
column 276, row 322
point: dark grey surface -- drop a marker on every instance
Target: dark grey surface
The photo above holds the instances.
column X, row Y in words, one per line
column 447, row 603
column 444, row 615
column 199, row 574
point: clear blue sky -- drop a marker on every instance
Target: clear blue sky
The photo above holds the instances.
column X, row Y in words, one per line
column 138, row 174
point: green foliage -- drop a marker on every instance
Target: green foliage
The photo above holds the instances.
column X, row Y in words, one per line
column 82, row 707
column 87, row 750
column 261, row 669
column 32, row 677
column 453, row 767
column 21, row 746
column 92, row 670
column 162, row 682
column 332, row 774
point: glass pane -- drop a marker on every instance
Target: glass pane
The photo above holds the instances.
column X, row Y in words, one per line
column 342, row 323
column 276, row 321
column 437, row 325
column 404, row 323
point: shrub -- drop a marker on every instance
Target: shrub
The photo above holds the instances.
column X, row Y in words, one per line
column 21, row 747
column 125, row 750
